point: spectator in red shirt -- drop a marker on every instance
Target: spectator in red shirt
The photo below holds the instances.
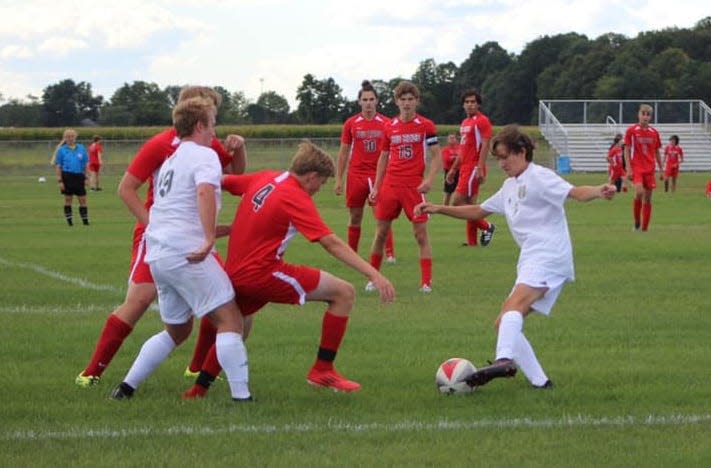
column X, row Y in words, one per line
column 449, row 155
column 96, row 150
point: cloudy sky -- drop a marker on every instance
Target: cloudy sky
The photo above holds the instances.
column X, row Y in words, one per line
column 269, row 45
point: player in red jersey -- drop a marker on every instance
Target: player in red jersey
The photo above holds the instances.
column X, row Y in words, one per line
column 449, row 155
column 673, row 157
column 642, row 144
column 615, row 168
column 476, row 133
column 361, row 145
column 95, row 162
column 400, row 182
column 141, row 291
column 275, row 206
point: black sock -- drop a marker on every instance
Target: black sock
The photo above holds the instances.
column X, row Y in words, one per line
column 68, row 214
column 204, row 379
column 84, row 213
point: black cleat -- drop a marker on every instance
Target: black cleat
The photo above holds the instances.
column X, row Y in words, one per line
column 547, row 385
column 243, row 400
column 486, row 235
column 123, row 391
column 499, row 368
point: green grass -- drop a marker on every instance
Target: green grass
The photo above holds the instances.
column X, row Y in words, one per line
column 627, row 346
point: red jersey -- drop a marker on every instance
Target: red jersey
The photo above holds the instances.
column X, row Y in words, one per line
column 473, row 130
column 273, row 209
column 94, row 150
column 615, row 157
column 643, row 144
column 365, row 138
column 449, row 154
column 673, row 154
column 156, row 150
column 406, row 143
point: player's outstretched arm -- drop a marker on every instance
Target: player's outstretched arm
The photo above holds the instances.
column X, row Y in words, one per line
column 472, row 212
column 585, row 193
column 342, row 251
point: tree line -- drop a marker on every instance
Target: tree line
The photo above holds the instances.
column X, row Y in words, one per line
column 673, row 63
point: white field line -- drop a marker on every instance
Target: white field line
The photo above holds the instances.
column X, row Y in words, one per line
column 579, row 421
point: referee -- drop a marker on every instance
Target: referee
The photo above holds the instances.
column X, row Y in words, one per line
column 70, row 159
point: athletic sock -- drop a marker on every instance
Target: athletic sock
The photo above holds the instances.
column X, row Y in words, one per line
column 84, row 213
column 426, row 271
column 526, row 360
column 205, row 340
column 646, row 215
column 333, row 327
column 68, row 214
column 483, row 224
column 112, row 336
column 154, row 351
column 390, row 244
column 210, row 366
column 509, row 329
column 232, row 356
column 471, row 232
column 354, row 237
column 637, row 211
column 376, row 260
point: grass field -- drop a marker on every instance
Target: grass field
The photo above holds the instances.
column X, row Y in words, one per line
column 627, row 346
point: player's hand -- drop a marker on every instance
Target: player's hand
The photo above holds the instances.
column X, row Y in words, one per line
column 373, row 195
column 338, row 188
column 200, row 254
column 424, row 187
column 425, row 207
column 450, row 177
column 384, row 287
column 608, row 191
column 233, row 142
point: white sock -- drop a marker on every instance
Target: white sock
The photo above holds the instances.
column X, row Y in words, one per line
column 528, row 363
column 232, row 356
column 154, row 351
column 509, row 329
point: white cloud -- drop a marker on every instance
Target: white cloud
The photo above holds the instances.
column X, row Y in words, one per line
column 15, row 52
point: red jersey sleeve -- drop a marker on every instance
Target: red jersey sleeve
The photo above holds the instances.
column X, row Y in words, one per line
column 236, row 184
column 346, row 135
column 305, row 217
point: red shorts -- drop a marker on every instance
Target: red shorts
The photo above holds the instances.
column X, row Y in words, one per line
column 94, row 167
column 357, row 190
column 468, row 184
column 286, row 284
column 645, row 178
column 616, row 173
column 393, row 199
column 671, row 171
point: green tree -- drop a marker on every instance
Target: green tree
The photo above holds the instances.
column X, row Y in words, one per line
column 68, row 103
column 16, row 113
column 138, row 103
column 270, row 107
column 320, row 101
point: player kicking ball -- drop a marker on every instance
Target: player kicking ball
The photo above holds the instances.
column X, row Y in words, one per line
column 531, row 199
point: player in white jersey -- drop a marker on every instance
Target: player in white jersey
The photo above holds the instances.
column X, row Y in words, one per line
column 180, row 251
column 531, row 199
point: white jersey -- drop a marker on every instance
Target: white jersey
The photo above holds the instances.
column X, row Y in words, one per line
column 174, row 226
column 533, row 206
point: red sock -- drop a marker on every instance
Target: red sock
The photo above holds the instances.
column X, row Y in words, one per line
column 637, row 210
column 471, row 232
column 353, row 237
column 112, row 336
column 376, row 260
column 483, row 224
column 205, row 340
column 646, row 215
column 389, row 246
column 426, row 270
column 333, row 328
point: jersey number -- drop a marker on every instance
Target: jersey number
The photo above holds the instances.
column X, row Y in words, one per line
column 165, row 183
column 405, row 152
column 370, row 146
column 260, row 197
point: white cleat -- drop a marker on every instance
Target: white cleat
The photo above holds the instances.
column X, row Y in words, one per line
column 391, row 260
column 426, row 288
column 369, row 286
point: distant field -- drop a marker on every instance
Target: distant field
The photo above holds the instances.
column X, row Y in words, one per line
column 627, row 346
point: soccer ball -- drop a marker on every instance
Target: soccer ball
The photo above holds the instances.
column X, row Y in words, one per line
column 41, row 180
column 451, row 372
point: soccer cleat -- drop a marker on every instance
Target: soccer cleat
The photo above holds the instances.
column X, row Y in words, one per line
column 87, row 381
column 196, row 392
column 123, row 391
column 243, row 400
column 486, row 235
column 190, row 374
column 548, row 384
column 369, row 286
column 499, row 368
column 426, row 288
column 390, row 259
column 331, row 379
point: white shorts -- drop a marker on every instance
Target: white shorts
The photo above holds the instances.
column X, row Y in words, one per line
column 540, row 279
column 189, row 288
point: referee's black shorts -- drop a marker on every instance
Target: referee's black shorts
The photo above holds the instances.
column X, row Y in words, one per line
column 74, row 184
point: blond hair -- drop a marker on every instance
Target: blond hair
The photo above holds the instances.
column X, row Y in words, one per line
column 189, row 112
column 311, row 158
column 67, row 132
column 205, row 92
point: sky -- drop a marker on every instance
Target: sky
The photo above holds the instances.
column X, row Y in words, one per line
column 254, row 46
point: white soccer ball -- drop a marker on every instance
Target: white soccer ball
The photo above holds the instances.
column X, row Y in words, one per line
column 451, row 373
column 41, row 180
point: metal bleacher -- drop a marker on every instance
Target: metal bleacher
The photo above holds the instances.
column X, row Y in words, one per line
column 581, row 131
